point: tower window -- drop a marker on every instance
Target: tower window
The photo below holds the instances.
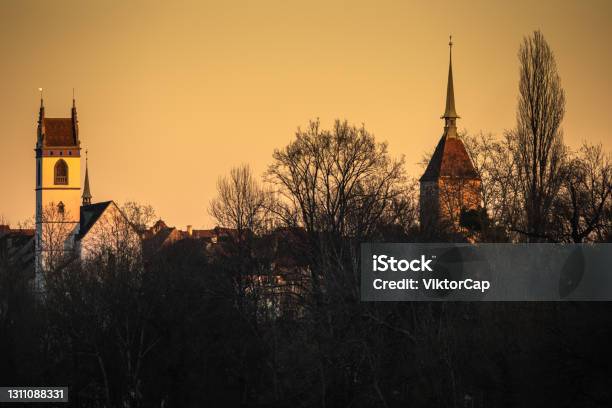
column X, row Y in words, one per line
column 61, row 172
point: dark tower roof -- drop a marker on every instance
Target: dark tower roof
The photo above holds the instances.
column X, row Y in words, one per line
column 450, row 159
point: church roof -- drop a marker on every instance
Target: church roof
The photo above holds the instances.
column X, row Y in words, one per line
column 450, row 159
column 58, row 132
column 89, row 216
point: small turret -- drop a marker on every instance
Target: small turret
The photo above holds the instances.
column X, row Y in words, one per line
column 86, row 192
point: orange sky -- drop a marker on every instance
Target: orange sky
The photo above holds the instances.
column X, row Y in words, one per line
column 172, row 94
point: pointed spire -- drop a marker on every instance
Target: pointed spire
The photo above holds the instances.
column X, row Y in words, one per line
column 75, row 121
column 41, row 117
column 450, row 114
column 86, row 192
column 450, row 90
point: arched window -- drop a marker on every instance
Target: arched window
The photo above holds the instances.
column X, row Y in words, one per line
column 61, row 208
column 61, row 172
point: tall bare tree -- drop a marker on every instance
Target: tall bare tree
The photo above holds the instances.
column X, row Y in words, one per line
column 338, row 181
column 538, row 149
column 241, row 203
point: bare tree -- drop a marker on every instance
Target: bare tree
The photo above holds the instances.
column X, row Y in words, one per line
column 27, row 223
column 538, row 148
column 500, row 192
column 241, row 203
column 403, row 211
column 140, row 215
column 339, row 181
column 57, row 229
column 582, row 209
column 101, row 304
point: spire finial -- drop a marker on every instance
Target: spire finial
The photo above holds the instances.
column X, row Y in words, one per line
column 41, row 96
column 73, row 100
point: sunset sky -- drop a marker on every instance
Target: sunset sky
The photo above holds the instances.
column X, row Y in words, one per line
column 172, row 94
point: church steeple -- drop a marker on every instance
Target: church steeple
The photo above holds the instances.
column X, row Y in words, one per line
column 450, row 114
column 86, row 192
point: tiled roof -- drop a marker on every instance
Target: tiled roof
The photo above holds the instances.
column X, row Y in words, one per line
column 450, row 159
column 59, row 132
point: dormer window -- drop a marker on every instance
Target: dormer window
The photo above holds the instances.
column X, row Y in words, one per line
column 61, row 173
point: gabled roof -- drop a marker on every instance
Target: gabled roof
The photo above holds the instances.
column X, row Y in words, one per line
column 450, row 159
column 58, row 132
column 89, row 216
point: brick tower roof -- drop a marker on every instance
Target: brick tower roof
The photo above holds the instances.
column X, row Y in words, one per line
column 450, row 159
column 57, row 132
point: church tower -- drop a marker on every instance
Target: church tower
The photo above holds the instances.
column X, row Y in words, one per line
column 58, row 186
column 450, row 186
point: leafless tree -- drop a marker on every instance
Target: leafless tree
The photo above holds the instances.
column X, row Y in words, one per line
column 493, row 161
column 537, row 146
column 241, row 203
column 582, row 210
column 337, row 181
column 27, row 223
column 140, row 215
column 403, row 211
column 100, row 303
column 56, row 243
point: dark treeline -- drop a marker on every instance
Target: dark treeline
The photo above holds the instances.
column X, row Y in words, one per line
column 272, row 317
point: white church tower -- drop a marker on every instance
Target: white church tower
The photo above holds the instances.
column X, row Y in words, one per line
column 58, row 187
